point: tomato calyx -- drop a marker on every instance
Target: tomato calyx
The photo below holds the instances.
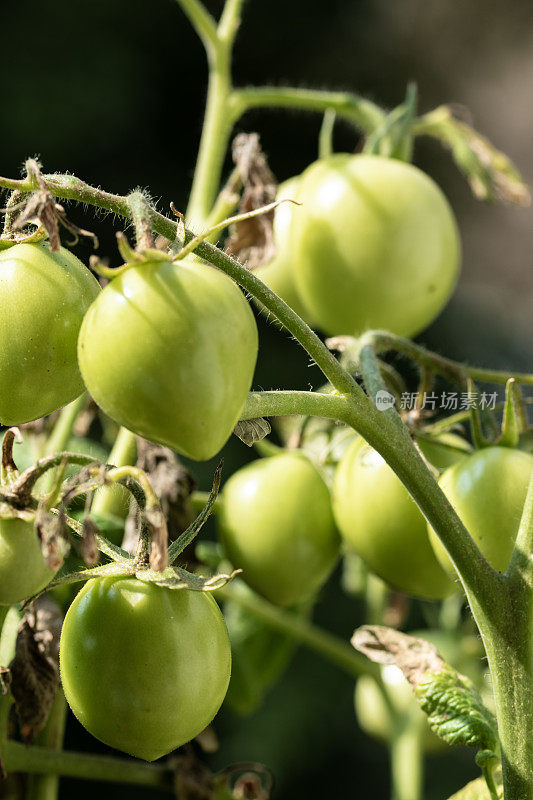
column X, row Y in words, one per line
column 154, row 562
column 41, row 209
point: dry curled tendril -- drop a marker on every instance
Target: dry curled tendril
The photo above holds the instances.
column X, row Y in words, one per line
column 154, row 560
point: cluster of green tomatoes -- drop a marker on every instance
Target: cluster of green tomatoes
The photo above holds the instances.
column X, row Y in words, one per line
column 168, row 349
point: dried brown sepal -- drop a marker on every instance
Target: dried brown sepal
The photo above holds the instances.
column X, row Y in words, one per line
column 9, row 468
column 208, row 740
column 252, row 240
column 249, row 781
column 35, row 667
column 250, row 787
column 85, row 419
column 89, row 546
column 415, row 657
column 42, row 425
column 52, row 531
column 192, row 779
column 41, row 209
column 5, row 680
column 397, row 610
column 159, row 546
column 171, row 481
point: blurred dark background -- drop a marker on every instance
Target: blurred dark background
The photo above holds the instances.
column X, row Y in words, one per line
column 114, row 92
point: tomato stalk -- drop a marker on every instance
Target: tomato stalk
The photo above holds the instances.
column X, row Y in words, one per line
column 18, row 757
column 407, row 758
column 383, row 341
column 218, row 41
column 46, row 787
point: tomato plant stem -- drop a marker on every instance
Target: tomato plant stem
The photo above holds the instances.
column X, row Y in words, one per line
column 407, row 760
column 383, row 341
column 46, row 787
column 353, row 107
column 218, row 121
column 17, row 757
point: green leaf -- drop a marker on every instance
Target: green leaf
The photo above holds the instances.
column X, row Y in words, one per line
column 451, row 701
column 455, row 709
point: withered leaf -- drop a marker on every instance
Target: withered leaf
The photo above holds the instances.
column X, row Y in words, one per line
column 192, row 779
column 89, row 545
column 250, row 431
column 252, row 240
column 35, row 667
column 171, row 482
column 415, row 657
column 52, row 531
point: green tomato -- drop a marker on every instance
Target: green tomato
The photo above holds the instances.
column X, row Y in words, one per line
column 43, row 298
column 168, row 350
column 488, row 491
column 277, row 526
column 23, row 570
column 375, row 245
column 374, row 714
column 278, row 273
column 144, row 668
column 380, row 521
column 444, row 450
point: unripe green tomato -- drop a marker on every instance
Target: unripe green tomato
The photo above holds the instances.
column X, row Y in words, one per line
column 144, row 668
column 278, row 273
column 374, row 245
column 488, row 491
column 23, row 570
column 373, row 714
column 168, row 350
column 380, row 521
column 443, row 450
column 43, row 298
column 276, row 524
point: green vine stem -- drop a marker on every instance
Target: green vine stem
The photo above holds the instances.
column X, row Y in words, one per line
column 361, row 112
column 218, row 123
column 407, row 759
column 17, row 757
column 383, row 341
column 46, row 787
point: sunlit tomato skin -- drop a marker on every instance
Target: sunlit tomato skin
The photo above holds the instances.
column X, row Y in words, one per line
column 278, row 273
column 488, row 490
column 374, row 245
column 277, row 526
column 168, row 350
column 144, row 668
column 380, row 521
column 43, row 298
column 23, row 570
